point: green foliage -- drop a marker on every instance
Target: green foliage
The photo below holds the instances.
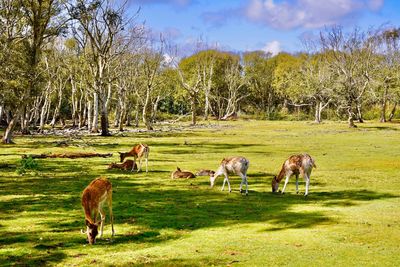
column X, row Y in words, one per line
column 27, row 164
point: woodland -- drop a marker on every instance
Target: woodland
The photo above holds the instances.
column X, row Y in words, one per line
column 94, row 65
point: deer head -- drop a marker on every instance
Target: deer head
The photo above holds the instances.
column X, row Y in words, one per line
column 112, row 165
column 275, row 184
column 122, row 156
column 91, row 231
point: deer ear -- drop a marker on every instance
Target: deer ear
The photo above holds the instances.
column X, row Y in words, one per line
column 120, row 153
column 87, row 223
column 177, row 168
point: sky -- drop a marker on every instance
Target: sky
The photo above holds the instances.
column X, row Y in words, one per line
column 269, row 25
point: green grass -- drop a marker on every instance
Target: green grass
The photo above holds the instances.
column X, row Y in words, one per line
column 350, row 218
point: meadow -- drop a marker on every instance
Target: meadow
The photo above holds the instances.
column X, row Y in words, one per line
column 350, row 218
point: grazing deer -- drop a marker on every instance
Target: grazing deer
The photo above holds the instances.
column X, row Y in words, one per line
column 127, row 165
column 296, row 164
column 205, row 173
column 94, row 196
column 137, row 152
column 237, row 165
column 182, row 174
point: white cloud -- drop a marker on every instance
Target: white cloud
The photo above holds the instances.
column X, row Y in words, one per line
column 273, row 47
column 307, row 13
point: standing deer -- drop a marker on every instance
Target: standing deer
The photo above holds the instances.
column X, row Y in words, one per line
column 295, row 164
column 182, row 174
column 94, row 196
column 137, row 152
column 236, row 165
column 127, row 165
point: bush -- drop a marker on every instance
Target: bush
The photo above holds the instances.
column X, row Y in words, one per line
column 27, row 164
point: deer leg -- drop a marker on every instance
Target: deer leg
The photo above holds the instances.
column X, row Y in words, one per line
column 297, row 183
column 229, row 184
column 286, row 182
column 247, row 185
column 111, row 214
column 307, row 178
column 146, row 164
column 244, row 181
column 140, row 165
column 223, row 184
column 133, row 165
column 103, row 218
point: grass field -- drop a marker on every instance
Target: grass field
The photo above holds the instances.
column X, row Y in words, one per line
column 350, row 218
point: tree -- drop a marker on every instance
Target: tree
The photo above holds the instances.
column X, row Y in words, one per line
column 350, row 57
column 386, row 75
column 259, row 70
column 27, row 25
column 102, row 24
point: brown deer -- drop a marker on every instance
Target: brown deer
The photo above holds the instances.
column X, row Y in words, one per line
column 181, row 174
column 236, row 165
column 137, row 152
column 127, row 165
column 205, row 173
column 94, row 196
column 295, row 164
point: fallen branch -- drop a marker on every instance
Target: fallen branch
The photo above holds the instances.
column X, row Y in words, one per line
column 71, row 155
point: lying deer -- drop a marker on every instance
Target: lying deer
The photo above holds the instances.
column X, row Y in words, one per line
column 127, row 165
column 137, row 152
column 182, row 174
column 236, row 165
column 205, row 173
column 94, row 196
column 296, row 164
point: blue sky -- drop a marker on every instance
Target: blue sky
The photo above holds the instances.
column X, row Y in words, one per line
column 270, row 25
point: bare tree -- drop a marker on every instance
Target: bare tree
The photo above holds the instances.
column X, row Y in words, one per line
column 103, row 24
column 350, row 58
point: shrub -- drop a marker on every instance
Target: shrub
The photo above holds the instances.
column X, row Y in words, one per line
column 27, row 164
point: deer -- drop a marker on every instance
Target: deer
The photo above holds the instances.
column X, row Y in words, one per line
column 127, row 165
column 295, row 165
column 181, row 174
column 236, row 165
column 137, row 152
column 94, row 196
column 204, row 173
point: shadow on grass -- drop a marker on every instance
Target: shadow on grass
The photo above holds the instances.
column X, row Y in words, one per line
column 42, row 259
column 153, row 204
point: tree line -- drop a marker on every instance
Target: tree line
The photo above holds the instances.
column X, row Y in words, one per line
column 91, row 63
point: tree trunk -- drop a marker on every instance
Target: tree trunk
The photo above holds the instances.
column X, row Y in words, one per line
column 1, row 112
column 117, row 114
column 384, row 105
column 104, row 119
column 146, row 109
column 57, row 110
column 137, row 114
column 359, row 113
column 207, row 105
column 128, row 115
column 24, row 121
column 155, row 108
column 89, row 115
column 7, row 137
column 318, row 112
column 43, row 114
column 74, row 102
column 95, row 122
column 392, row 112
column 351, row 118
column 193, row 108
